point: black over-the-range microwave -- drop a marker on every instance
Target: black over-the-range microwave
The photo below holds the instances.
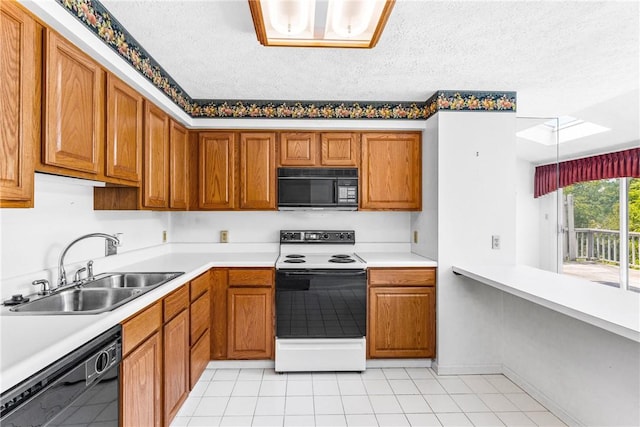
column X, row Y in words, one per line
column 317, row 189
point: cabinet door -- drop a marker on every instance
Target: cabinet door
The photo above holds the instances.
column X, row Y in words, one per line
column 200, row 352
column 200, row 317
column 250, row 323
column 124, row 131
column 156, row 158
column 298, row 149
column 140, row 385
column 176, row 364
column 179, row 178
column 339, row 149
column 401, row 322
column 20, row 64
column 391, row 175
column 257, row 171
column 216, row 170
column 74, row 108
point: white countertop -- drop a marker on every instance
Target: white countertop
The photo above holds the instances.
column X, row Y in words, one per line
column 31, row 342
column 395, row 259
column 612, row 309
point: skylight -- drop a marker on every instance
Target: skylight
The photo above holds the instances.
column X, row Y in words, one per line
column 565, row 128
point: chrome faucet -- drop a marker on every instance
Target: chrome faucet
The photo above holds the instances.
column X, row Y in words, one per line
column 110, row 249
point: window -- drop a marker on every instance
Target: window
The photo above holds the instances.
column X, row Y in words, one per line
column 601, row 231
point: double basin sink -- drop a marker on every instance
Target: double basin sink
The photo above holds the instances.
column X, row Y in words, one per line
column 104, row 293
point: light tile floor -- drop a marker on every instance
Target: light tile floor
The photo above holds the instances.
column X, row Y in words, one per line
column 377, row 397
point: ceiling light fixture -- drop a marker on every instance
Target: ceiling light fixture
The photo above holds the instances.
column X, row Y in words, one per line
column 320, row 23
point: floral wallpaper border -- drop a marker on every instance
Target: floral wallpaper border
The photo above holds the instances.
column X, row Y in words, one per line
column 99, row 20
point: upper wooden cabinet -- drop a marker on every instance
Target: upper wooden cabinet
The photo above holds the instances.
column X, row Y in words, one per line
column 339, row 149
column 216, row 170
column 391, row 171
column 155, row 184
column 298, row 149
column 258, row 170
column 124, row 131
column 319, row 149
column 20, row 86
column 73, row 109
column 179, row 158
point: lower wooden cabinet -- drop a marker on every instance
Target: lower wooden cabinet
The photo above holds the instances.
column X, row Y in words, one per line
column 176, row 364
column 165, row 350
column 200, row 356
column 250, row 324
column 401, row 319
column 200, row 338
column 141, row 384
column 242, row 313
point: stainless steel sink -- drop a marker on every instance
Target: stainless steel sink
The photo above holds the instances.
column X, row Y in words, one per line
column 81, row 301
column 130, row 280
column 106, row 292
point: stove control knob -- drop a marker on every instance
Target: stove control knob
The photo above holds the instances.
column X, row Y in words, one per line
column 325, row 236
column 341, row 236
column 349, row 236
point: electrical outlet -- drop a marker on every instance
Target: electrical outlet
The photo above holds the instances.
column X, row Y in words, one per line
column 415, row 236
column 164, row 236
column 495, row 242
column 224, row 236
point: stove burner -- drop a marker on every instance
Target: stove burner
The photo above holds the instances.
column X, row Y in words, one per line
column 341, row 256
column 294, row 256
column 342, row 260
column 294, row 260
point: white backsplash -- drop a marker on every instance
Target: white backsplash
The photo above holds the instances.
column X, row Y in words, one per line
column 31, row 239
column 264, row 227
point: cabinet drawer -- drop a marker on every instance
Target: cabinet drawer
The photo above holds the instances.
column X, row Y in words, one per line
column 199, row 358
column 140, row 326
column 175, row 302
column 199, row 285
column 402, row 276
column 251, row 277
column 199, row 317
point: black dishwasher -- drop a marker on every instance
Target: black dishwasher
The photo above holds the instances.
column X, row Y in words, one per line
column 80, row 389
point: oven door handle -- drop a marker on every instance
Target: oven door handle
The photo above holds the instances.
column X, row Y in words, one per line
column 335, row 272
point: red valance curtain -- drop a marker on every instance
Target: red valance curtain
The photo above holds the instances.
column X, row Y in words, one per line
column 604, row 166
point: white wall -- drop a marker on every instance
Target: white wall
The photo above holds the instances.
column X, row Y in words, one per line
column 476, row 199
column 528, row 217
column 588, row 373
column 426, row 221
column 536, row 222
column 263, row 227
column 32, row 239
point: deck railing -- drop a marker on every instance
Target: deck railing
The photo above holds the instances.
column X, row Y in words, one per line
column 601, row 245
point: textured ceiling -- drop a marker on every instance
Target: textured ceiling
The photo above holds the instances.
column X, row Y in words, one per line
column 560, row 57
column 579, row 58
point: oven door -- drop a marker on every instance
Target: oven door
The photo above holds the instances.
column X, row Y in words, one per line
column 329, row 303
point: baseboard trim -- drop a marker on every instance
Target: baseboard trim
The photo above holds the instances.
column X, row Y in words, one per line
column 467, row 369
column 540, row 397
column 371, row 363
column 399, row 363
column 241, row 364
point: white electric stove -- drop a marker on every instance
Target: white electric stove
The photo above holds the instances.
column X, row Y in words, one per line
column 321, row 302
